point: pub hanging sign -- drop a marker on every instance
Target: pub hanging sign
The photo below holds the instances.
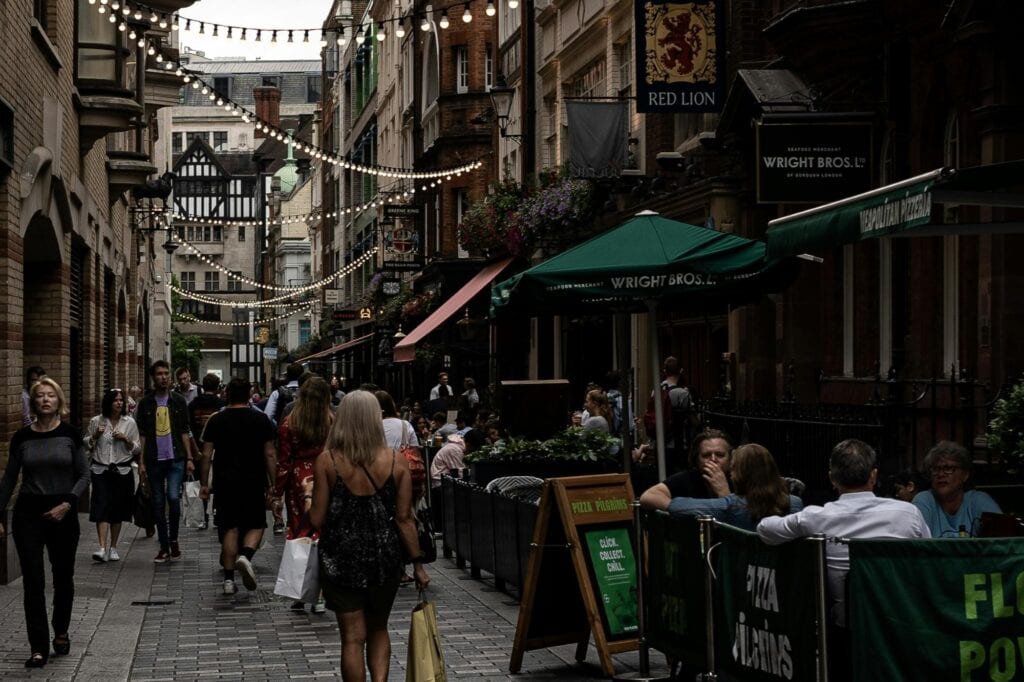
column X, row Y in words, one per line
column 680, row 50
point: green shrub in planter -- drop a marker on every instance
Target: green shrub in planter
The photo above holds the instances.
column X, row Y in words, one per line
column 571, row 452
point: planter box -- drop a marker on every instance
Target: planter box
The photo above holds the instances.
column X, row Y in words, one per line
column 482, row 473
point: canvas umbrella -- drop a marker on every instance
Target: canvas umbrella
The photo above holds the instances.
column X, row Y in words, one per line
column 646, row 262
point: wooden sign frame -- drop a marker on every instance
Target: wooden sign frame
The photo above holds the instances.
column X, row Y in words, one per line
column 567, row 505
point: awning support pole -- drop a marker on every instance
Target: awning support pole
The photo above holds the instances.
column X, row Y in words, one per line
column 659, row 416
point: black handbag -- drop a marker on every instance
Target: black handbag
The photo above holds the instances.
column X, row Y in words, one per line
column 142, row 509
column 425, row 532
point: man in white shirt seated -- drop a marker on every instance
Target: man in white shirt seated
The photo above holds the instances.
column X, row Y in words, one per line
column 858, row 513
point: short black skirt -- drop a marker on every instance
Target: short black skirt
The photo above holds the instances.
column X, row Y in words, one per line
column 112, row 496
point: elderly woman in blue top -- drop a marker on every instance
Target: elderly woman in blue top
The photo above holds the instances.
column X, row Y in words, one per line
column 760, row 491
column 949, row 509
column 49, row 456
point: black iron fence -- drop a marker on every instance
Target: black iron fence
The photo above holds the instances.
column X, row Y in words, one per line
column 488, row 531
column 900, row 418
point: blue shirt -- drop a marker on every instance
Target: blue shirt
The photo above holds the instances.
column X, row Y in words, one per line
column 943, row 525
column 731, row 509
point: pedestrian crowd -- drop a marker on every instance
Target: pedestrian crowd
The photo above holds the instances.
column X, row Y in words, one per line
column 348, row 472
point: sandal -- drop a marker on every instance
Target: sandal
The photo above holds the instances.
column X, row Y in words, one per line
column 36, row 661
column 61, row 645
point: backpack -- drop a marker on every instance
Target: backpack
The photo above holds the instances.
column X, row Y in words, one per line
column 675, row 419
column 284, row 396
column 615, row 400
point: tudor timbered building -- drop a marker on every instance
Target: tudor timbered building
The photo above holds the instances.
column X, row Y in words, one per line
column 214, row 187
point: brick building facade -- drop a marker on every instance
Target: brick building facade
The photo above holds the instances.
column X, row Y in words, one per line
column 80, row 268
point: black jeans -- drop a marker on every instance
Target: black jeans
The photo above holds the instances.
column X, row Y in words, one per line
column 31, row 534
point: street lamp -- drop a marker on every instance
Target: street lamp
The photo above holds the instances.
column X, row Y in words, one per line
column 170, row 246
column 501, row 99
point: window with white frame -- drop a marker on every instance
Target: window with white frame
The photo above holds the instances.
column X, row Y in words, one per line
column 951, row 259
column 590, row 82
column 462, row 69
column 489, row 67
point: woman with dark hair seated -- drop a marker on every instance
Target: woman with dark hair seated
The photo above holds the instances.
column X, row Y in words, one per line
column 951, row 509
column 759, row 492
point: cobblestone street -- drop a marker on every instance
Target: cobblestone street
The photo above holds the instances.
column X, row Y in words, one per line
column 140, row 621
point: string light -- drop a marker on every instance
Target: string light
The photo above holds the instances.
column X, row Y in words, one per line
column 266, row 303
column 490, row 11
column 320, row 153
column 163, row 21
column 217, row 323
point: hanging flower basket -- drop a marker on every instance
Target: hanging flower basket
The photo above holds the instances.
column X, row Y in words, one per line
column 1006, row 430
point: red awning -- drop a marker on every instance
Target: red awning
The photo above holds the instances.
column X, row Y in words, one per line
column 335, row 349
column 405, row 350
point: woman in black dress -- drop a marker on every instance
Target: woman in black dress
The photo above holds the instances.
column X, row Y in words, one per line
column 362, row 504
column 113, row 441
column 49, row 456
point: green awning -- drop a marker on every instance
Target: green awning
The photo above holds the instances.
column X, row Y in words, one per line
column 646, row 258
column 903, row 208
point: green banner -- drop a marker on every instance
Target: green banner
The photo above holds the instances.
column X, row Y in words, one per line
column 614, row 568
column 765, row 622
column 675, row 580
column 935, row 610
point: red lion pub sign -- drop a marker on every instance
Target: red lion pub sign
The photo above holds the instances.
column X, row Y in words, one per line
column 680, row 52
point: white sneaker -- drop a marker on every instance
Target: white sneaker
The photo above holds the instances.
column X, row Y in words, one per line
column 112, row 554
column 100, row 555
column 244, row 566
column 320, row 606
column 229, row 587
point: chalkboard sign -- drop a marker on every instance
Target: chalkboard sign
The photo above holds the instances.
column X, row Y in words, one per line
column 581, row 580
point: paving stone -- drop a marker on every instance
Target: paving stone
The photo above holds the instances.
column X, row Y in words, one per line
column 203, row 634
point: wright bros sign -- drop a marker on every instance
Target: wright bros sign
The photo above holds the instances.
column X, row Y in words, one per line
column 680, row 52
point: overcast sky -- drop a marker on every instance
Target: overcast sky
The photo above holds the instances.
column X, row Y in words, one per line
column 253, row 14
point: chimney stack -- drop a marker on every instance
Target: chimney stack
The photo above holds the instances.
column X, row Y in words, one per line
column 268, row 107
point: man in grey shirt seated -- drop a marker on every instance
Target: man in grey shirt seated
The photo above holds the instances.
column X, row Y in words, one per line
column 858, row 513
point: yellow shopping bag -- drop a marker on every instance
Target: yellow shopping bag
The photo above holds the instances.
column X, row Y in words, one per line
column 426, row 659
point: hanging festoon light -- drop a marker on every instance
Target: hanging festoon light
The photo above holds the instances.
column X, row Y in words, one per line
column 467, row 16
column 444, row 23
column 381, row 33
column 513, row 4
column 342, row 38
column 305, row 36
column 400, row 29
column 490, row 11
column 424, row 24
column 323, row 39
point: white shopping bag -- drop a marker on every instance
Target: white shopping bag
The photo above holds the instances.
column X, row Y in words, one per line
column 298, row 577
column 192, row 509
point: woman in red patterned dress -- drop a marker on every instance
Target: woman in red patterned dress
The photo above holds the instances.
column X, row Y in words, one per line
column 301, row 438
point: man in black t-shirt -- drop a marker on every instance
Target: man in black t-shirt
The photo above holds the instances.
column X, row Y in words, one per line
column 707, row 477
column 243, row 439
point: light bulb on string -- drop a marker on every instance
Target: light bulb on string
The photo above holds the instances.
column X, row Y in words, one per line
column 323, row 39
column 513, row 4
column 216, row 28
column 341, row 39
column 273, row 37
column 400, row 29
column 444, row 23
column 424, row 24
column 490, row 11
column 381, row 34
column 163, row 21
column 242, row 37
column 291, row 36
column 467, row 16
column 230, row 33
column 174, row 23
column 188, row 25
column 202, row 28
column 360, row 38
column 153, row 18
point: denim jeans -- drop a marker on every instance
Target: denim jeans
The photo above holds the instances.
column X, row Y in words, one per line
column 170, row 474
